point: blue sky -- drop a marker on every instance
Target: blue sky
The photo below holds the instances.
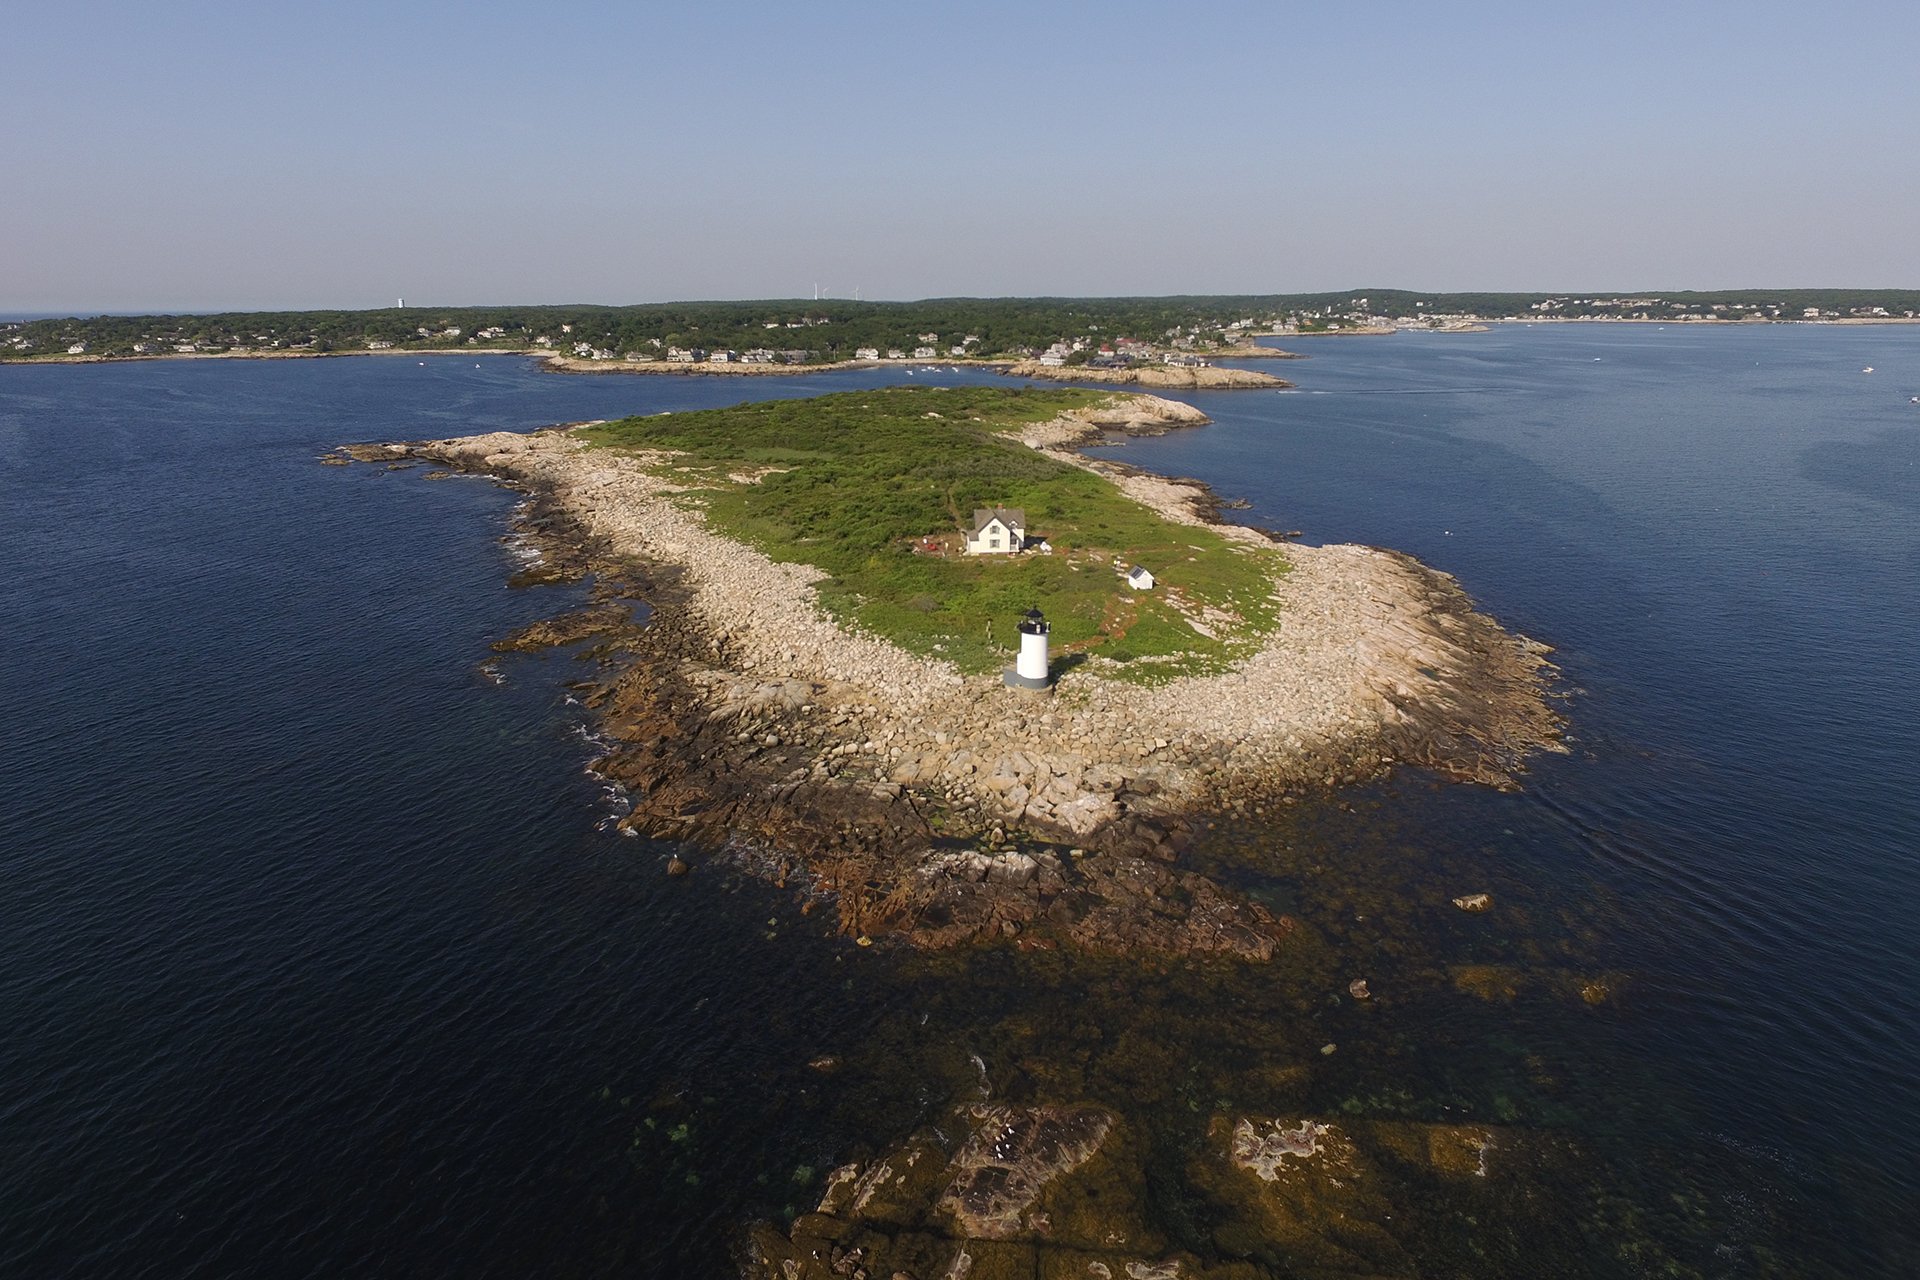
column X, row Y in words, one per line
column 187, row 155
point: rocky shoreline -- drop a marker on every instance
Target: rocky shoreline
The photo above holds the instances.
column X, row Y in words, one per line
column 1160, row 377
column 1163, row 377
column 555, row 362
column 942, row 808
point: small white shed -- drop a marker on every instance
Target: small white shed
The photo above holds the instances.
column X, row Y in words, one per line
column 1139, row 578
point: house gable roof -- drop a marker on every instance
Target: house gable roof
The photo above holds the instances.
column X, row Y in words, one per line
column 1012, row 517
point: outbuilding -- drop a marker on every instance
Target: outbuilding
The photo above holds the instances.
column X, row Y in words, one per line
column 1139, row 578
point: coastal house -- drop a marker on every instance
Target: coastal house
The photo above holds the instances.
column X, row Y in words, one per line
column 924, row 353
column 997, row 531
column 866, row 353
column 1139, row 578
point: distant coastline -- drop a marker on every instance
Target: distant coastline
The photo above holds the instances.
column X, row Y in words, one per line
column 1143, row 341
column 562, row 363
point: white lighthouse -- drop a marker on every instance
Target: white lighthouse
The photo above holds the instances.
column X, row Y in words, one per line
column 1030, row 668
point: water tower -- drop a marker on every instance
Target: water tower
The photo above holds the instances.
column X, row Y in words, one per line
column 1030, row 668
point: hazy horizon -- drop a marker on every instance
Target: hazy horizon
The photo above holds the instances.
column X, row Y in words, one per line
column 211, row 157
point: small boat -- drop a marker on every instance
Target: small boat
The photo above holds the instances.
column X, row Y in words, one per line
column 1868, row 369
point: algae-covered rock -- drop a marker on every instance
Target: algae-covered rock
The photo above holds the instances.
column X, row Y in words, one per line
column 1013, row 1154
column 1500, row 984
column 1300, row 1194
column 994, row 1190
column 1449, row 1150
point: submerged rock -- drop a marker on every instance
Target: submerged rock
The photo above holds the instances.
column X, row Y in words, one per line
column 994, row 1190
column 1303, row 1190
column 567, row 628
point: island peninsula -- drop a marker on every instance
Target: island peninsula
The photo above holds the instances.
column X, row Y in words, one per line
column 815, row 692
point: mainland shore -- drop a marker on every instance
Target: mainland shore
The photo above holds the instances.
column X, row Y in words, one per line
column 943, row 808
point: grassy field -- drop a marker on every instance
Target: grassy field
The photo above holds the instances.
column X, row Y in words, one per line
column 852, row 483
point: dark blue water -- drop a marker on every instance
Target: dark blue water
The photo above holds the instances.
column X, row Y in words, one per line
column 317, row 961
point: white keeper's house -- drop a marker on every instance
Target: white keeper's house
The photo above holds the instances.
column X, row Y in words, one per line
column 997, row 531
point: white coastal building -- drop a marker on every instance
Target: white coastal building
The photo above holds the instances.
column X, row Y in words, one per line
column 1030, row 669
column 997, row 531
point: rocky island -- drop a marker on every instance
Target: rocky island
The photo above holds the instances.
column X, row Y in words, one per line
column 815, row 692
column 1165, row 377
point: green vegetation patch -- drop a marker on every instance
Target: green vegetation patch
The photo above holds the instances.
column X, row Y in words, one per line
column 858, row 484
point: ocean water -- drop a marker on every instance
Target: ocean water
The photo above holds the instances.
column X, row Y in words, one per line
column 320, row 959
